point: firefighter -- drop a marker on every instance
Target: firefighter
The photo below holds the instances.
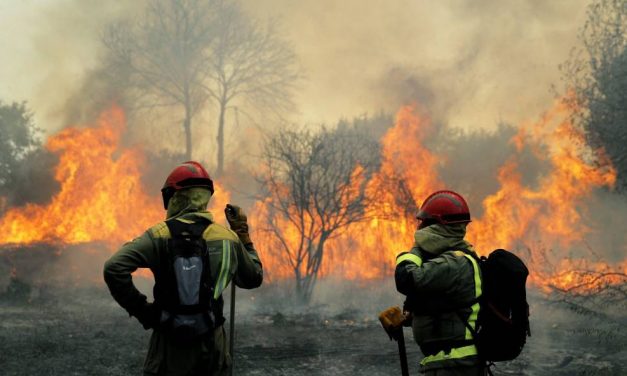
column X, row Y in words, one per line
column 442, row 282
column 193, row 259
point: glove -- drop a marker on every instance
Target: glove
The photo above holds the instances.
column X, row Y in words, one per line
column 149, row 315
column 237, row 220
column 393, row 320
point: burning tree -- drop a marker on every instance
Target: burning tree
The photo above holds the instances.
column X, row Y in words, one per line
column 315, row 188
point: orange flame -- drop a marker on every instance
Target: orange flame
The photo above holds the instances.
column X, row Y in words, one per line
column 551, row 211
column 548, row 216
column 101, row 198
column 515, row 217
column 368, row 249
column 365, row 250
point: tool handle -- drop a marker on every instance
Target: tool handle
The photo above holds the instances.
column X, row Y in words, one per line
column 402, row 353
column 232, row 328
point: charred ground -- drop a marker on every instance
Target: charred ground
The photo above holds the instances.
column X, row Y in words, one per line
column 81, row 331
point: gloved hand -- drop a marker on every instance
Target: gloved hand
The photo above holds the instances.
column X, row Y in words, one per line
column 238, row 221
column 149, row 315
column 393, row 320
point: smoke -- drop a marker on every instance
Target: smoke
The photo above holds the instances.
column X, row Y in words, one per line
column 34, row 182
column 50, row 50
column 476, row 63
column 469, row 64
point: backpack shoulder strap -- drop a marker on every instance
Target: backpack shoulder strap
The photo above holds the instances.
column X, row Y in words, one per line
column 471, row 322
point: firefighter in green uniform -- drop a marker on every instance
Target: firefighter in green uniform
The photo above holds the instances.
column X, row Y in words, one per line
column 193, row 260
column 442, row 282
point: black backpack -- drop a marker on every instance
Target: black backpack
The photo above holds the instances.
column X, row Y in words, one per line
column 183, row 286
column 503, row 322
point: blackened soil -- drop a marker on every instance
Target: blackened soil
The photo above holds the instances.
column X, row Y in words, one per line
column 85, row 333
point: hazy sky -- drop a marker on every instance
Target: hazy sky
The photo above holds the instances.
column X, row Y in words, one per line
column 472, row 63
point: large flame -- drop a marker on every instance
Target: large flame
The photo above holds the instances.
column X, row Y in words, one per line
column 550, row 211
column 526, row 219
column 101, row 199
column 364, row 250
column 407, row 175
column 546, row 220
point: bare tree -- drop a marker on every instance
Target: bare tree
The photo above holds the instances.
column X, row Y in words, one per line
column 165, row 56
column 184, row 53
column 598, row 74
column 249, row 61
column 316, row 187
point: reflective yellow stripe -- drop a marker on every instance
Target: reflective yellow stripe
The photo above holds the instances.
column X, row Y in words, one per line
column 472, row 319
column 409, row 257
column 224, row 269
column 460, row 352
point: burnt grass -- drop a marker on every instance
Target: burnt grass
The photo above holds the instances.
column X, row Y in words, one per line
column 81, row 331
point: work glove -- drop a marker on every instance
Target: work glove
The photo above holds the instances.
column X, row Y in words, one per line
column 237, row 220
column 149, row 315
column 393, row 319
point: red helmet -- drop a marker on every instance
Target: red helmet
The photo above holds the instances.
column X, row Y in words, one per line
column 444, row 207
column 188, row 174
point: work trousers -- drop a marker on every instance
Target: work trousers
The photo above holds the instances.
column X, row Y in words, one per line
column 206, row 357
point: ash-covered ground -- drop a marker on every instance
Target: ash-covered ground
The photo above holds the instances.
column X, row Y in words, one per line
column 81, row 331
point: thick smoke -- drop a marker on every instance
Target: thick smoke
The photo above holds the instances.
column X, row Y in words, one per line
column 50, row 51
column 485, row 61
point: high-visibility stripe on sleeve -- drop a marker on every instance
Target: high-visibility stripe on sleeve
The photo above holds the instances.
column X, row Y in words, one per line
column 456, row 353
column 224, row 269
column 409, row 257
column 474, row 314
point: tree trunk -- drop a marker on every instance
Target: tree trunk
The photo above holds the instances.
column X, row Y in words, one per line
column 220, row 139
column 187, row 125
column 305, row 285
column 188, row 138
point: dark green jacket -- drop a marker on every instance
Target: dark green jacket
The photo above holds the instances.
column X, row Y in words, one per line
column 240, row 264
column 441, row 280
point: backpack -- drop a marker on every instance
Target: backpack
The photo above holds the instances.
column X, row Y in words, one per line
column 503, row 322
column 183, row 288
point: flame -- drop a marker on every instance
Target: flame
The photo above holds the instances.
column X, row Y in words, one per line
column 522, row 218
column 101, row 199
column 407, row 175
column 365, row 250
column 550, row 212
column 549, row 215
